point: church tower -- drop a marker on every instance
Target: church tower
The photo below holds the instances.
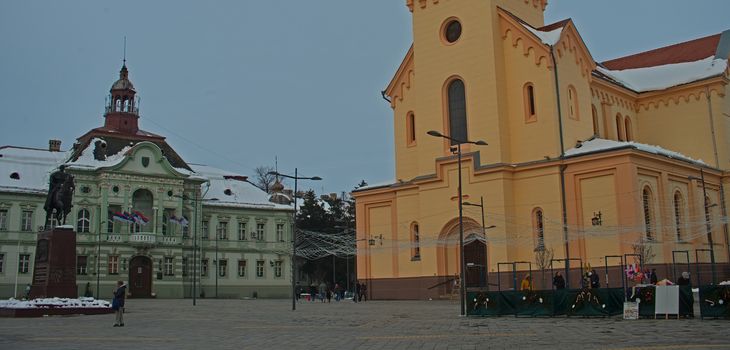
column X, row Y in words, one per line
column 122, row 109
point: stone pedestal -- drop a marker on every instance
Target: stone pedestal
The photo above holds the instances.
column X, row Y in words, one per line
column 54, row 271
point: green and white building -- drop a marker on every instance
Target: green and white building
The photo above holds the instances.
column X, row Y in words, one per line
column 243, row 238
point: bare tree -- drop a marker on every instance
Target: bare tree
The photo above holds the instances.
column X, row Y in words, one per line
column 645, row 250
column 543, row 256
column 263, row 179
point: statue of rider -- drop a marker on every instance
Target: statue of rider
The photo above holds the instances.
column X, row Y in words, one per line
column 54, row 185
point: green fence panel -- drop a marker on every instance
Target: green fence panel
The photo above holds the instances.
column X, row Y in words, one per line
column 534, row 303
column 596, row 302
column 714, row 301
column 561, row 300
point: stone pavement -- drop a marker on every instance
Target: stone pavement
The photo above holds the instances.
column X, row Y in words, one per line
column 270, row 324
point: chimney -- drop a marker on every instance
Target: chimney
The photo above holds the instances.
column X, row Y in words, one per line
column 54, row 145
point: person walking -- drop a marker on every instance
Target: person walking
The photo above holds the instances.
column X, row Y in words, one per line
column 559, row 281
column 322, row 291
column 363, row 291
column 526, row 283
column 118, row 303
column 338, row 290
column 357, row 292
column 653, row 279
column 595, row 281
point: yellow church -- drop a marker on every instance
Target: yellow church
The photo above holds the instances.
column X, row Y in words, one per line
column 584, row 160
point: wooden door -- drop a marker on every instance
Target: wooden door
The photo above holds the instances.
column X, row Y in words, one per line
column 475, row 260
column 140, row 277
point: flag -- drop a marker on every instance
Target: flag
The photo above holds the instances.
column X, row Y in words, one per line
column 122, row 217
column 139, row 218
column 183, row 222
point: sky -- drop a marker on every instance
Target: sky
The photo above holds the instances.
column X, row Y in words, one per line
column 238, row 84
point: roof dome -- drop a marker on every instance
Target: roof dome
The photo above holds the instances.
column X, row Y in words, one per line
column 277, row 187
column 123, row 83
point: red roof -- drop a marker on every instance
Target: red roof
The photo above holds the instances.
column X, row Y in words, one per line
column 688, row 51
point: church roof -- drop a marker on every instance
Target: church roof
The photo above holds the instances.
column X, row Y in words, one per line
column 665, row 76
column 26, row 170
column 597, row 145
column 688, row 51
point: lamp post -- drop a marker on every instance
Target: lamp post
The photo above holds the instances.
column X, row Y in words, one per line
column 98, row 256
column 708, row 226
column 195, row 201
column 462, row 267
column 484, row 232
column 294, row 229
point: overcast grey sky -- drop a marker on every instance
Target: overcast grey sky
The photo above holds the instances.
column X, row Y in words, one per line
column 233, row 84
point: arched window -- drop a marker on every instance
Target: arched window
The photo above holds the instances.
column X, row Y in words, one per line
column 411, row 128
column 118, row 104
column 83, row 221
column 528, row 92
column 457, row 110
column 126, row 105
column 141, row 202
column 573, row 103
column 415, row 242
column 678, row 205
column 627, row 129
column 538, row 225
column 619, row 122
column 647, row 200
column 596, row 130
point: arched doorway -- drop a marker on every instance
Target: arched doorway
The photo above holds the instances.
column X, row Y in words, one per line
column 475, row 252
column 140, row 277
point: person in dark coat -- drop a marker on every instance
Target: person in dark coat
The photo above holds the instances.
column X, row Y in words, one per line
column 653, row 278
column 357, row 292
column 559, row 281
column 684, row 279
column 363, row 291
column 118, row 303
column 595, row 282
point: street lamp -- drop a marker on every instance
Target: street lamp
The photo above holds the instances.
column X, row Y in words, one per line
column 484, row 232
column 458, row 142
column 195, row 201
column 98, row 255
column 294, row 229
column 708, row 227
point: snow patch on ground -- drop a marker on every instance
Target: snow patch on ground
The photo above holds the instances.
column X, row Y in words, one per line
column 79, row 303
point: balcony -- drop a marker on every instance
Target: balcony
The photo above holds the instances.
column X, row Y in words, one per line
column 143, row 239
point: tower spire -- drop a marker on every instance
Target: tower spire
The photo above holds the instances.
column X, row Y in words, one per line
column 124, row 55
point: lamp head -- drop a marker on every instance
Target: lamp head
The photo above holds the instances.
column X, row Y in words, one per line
column 434, row 133
column 480, row 143
column 315, row 178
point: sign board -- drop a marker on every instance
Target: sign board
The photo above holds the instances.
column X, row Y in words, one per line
column 667, row 300
column 631, row 310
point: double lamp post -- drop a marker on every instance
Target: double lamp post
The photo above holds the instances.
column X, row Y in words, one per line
column 458, row 143
column 294, row 229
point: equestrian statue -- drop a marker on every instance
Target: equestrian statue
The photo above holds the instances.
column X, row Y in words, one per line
column 60, row 194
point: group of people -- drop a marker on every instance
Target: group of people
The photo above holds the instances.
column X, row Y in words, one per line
column 324, row 292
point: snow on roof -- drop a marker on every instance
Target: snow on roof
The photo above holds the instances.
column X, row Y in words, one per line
column 547, row 37
column 86, row 160
column 666, row 76
column 27, row 170
column 376, row 185
column 225, row 190
column 598, row 145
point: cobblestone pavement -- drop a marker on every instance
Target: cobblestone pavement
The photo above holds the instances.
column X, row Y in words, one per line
column 270, row 324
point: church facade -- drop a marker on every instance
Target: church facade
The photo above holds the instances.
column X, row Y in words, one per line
column 144, row 215
column 585, row 160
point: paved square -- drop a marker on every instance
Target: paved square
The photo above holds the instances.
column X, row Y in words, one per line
column 270, row 324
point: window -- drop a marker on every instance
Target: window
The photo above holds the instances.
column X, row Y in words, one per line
column 259, row 236
column 277, row 269
column 81, row 264
column 204, row 267
column 415, row 242
column 169, row 267
column 627, row 129
column 222, row 230
column 222, row 268
column 24, row 263
column 678, row 205
column 539, row 229
column 619, row 122
column 113, row 267
column 648, row 213
column 2, row 263
column 457, row 111
column 573, row 103
column 184, row 266
column 259, row 268
column 452, row 31
column 165, row 221
column 83, row 222
column 528, row 92
column 241, row 268
column 3, row 220
column 596, row 130
column 411, row 129
column 280, row 232
column 204, row 229
column 242, row 231
column 26, row 221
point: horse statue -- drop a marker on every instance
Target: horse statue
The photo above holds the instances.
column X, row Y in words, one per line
column 60, row 195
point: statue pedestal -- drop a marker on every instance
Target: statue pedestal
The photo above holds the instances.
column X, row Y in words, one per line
column 54, row 270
